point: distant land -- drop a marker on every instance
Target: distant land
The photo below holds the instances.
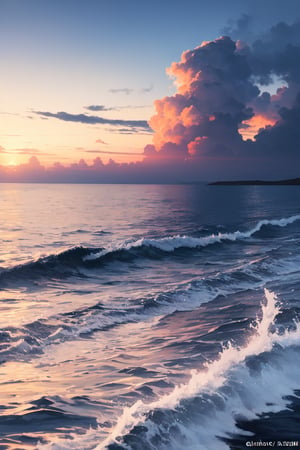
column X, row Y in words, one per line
column 292, row 182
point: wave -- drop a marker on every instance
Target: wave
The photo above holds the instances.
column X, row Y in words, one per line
column 59, row 266
column 214, row 377
column 171, row 243
column 69, row 262
column 201, row 414
column 32, row 339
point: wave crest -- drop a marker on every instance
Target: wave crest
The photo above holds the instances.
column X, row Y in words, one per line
column 69, row 262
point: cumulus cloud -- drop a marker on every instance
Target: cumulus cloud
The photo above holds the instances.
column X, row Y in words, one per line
column 277, row 52
column 220, row 103
column 284, row 137
column 213, row 90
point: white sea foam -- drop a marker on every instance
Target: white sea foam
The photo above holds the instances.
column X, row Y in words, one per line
column 256, row 393
column 188, row 297
column 171, row 243
column 211, row 379
column 184, row 298
column 216, row 376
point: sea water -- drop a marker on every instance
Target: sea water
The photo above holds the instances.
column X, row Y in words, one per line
column 149, row 317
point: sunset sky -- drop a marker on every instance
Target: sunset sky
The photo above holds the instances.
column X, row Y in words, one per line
column 79, row 78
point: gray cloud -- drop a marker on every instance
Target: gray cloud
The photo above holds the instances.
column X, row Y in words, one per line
column 126, row 91
column 240, row 28
column 133, row 106
column 132, row 130
column 98, row 108
column 93, row 120
column 146, row 90
column 277, row 52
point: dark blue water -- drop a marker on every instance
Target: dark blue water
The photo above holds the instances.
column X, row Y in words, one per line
column 149, row 317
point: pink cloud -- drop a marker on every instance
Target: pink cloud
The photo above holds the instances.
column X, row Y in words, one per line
column 218, row 109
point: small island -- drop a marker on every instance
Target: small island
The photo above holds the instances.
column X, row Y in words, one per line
column 290, row 182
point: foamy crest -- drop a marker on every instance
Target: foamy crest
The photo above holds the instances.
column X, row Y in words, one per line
column 171, row 243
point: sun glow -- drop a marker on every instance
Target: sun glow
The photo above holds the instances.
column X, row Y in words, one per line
column 10, row 160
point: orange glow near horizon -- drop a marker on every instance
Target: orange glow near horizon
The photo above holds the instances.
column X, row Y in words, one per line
column 11, row 161
column 255, row 124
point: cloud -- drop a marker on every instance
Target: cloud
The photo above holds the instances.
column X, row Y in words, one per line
column 95, row 172
column 131, row 130
column 126, row 91
column 284, row 137
column 221, row 123
column 146, row 90
column 34, row 163
column 93, row 120
column 133, row 106
column 277, row 52
column 108, row 152
column 240, row 29
column 98, row 108
column 23, row 151
column 100, row 141
column 28, row 151
column 219, row 103
column 213, row 89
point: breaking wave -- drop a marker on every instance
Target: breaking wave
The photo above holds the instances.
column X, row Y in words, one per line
column 69, row 262
column 242, row 382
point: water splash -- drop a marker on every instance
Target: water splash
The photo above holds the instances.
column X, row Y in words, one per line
column 254, row 397
column 210, row 379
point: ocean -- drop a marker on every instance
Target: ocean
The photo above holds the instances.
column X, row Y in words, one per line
column 149, row 317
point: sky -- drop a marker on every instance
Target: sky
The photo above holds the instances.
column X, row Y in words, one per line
column 96, row 90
